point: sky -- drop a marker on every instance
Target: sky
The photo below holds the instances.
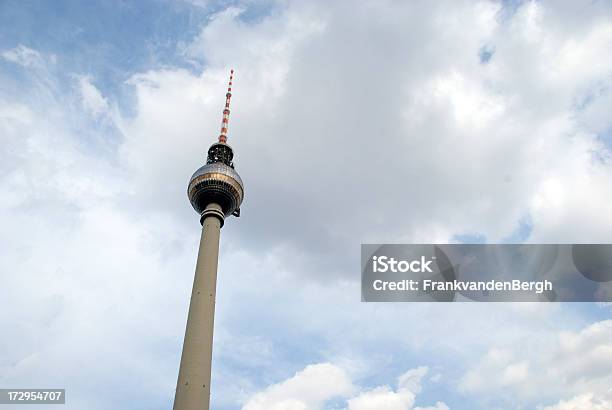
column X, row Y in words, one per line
column 352, row 122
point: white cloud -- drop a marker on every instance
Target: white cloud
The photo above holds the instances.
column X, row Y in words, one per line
column 316, row 384
column 78, row 267
column 439, row 406
column 383, row 397
column 582, row 402
column 93, row 101
column 571, row 363
column 26, row 57
column 411, row 380
column 307, row 390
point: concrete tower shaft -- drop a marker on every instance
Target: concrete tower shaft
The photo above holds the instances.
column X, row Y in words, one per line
column 193, row 385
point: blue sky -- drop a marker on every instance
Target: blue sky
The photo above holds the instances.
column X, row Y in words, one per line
column 351, row 123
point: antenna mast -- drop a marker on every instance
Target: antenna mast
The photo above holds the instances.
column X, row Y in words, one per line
column 226, row 111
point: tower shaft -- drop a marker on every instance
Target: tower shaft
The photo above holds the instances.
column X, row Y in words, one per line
column 193, row 386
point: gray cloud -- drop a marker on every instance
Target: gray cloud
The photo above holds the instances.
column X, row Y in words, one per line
column 376, row 123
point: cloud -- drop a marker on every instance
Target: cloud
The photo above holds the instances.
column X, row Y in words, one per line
column 310, row 388
column 26, row 57
column 325, row 95
column 307, row 390
column 582, row 402
column 383, row 398
column 93, row 100
column 571, row 363
column 409, row 384
column 75, row 261
column 439, row 406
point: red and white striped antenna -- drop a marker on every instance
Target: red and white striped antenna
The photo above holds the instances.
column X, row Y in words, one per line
column 226, row 111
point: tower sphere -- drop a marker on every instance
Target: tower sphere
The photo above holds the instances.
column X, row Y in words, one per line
column 216, row 183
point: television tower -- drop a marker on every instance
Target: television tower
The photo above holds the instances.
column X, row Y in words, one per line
column 215, row 192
